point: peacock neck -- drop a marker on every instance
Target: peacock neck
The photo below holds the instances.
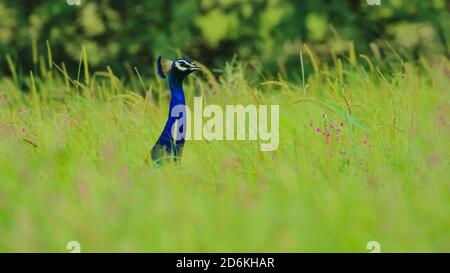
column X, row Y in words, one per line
column 177, row 101
column 171, row 140
column 176, row 91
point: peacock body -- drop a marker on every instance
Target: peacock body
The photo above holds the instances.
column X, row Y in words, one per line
column 169, row 146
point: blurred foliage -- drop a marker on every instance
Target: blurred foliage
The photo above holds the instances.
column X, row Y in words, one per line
column 131, row 33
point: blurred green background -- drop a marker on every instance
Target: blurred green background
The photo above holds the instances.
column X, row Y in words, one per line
column 267, row 33
column 72, row 152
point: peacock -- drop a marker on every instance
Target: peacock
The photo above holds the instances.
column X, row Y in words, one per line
column 169, row 146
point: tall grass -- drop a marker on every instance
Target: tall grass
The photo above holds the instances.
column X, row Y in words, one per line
column 363, row 156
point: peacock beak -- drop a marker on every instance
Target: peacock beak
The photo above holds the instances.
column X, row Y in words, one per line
column 195, row 67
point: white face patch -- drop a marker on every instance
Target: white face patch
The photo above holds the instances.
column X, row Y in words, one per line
column 180, row 67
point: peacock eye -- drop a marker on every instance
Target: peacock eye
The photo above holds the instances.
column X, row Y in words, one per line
column 181, row 65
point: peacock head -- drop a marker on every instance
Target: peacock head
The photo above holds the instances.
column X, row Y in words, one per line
column 178, row 68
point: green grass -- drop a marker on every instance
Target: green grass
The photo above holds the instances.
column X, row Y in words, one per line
column 73, row 150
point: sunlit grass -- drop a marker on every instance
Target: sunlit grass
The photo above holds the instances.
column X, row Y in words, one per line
column 72, row 163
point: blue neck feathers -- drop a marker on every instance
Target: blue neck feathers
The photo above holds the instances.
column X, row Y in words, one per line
column 167, row 145
column 176, row 91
